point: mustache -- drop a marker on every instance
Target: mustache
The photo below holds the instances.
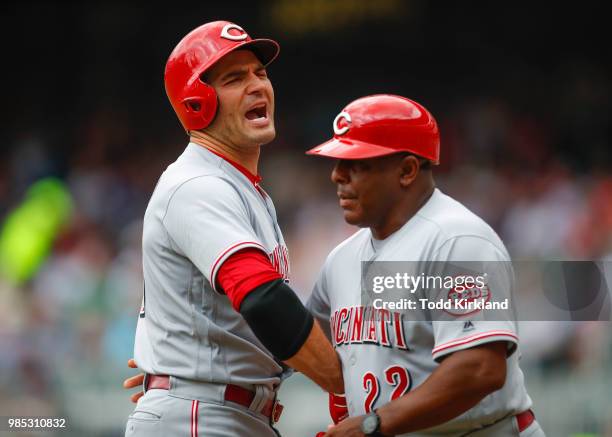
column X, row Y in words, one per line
column 345, row 194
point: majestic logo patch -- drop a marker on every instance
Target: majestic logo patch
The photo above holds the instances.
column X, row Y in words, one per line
column 468, row 326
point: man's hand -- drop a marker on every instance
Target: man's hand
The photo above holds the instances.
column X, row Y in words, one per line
column 134, row 381
column 350, row 427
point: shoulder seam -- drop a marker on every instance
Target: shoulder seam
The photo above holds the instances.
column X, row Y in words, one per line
column 467, row 235
column 177, row 188
column 440, row 229
column 345, row 242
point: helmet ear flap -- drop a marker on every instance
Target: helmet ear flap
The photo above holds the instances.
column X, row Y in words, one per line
column 202, row 108
column 193, row 104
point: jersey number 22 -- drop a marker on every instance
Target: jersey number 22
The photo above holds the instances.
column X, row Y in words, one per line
column 395, row 376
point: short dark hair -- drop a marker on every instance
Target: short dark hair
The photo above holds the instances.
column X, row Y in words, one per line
column 424, row 163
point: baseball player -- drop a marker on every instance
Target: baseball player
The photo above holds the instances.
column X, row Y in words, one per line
column 218, row 320
column 408, row 377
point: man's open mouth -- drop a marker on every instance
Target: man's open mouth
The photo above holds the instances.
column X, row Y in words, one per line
column 258, row 112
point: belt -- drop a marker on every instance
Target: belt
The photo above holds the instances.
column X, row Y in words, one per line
column 524, row 420
column 233, row 393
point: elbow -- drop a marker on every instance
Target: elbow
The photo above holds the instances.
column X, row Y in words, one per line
column 478, row 371
column 282, row 332
column 489, row 368
column 490, row 377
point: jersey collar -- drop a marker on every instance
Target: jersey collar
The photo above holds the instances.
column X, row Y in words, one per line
column 255, row 179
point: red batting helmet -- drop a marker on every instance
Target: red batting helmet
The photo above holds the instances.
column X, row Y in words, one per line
column 194, row 101
column 380, row 125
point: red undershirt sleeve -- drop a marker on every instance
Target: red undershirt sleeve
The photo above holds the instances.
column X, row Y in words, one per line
column 244, row 271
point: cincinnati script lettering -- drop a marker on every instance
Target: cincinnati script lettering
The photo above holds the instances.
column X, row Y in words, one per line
column 361, row 324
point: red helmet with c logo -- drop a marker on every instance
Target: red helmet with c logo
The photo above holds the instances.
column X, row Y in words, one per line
column 194, row 101
column 379, row 125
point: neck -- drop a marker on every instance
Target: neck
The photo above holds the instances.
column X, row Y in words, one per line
column 405, row 210
column 247, row 157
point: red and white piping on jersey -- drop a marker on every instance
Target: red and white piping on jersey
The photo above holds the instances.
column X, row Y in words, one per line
column 280, row 261
column 472, row 339
column 194, row 418
column 226, row 254
column 255, row 179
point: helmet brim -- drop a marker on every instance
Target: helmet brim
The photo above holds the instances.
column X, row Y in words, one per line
column 266, row 50
column 350, row 149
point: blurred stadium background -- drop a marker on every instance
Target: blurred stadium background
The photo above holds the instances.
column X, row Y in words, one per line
column 522, row 92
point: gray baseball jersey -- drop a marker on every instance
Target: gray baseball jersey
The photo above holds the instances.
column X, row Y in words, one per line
column 202, row 211
column 383, row 355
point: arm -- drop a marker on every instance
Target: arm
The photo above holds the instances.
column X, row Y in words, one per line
column 462, row 380
column 287, row 329
column 318, row 360
column 278, row 318
column 318, row 305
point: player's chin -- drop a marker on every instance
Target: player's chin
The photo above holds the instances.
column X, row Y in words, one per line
column 352, row 217
column 263, row 135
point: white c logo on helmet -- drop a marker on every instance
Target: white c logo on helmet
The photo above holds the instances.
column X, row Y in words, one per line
column 225, row 32
column 341, row 130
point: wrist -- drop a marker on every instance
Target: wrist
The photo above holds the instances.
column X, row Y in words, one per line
column 371, row 425
column 388, row 422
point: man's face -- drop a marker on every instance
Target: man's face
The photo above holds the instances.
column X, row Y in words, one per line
column 245, row 116
column 368, row 189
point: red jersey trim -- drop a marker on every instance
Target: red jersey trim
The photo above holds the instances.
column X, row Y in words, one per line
column 255, row 179
column 226, row 253
column 473, row 338
column 243, row 272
